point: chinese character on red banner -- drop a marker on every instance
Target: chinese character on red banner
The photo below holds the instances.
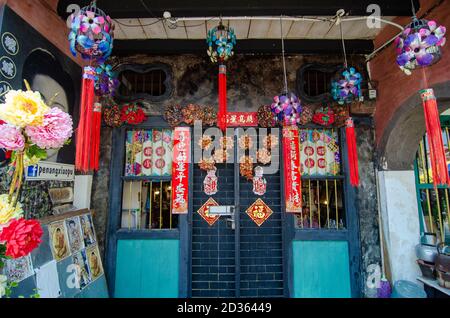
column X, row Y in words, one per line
column 292, row 176
column 242, row 119
column 180, row 170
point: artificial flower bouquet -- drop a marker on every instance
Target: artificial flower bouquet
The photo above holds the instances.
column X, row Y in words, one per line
column 28, row 127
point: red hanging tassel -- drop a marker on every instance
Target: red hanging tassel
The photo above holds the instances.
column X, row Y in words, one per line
column 434, row 135
column 352, row 152
column 83, row 134
column 95, row 146
column 222, row 114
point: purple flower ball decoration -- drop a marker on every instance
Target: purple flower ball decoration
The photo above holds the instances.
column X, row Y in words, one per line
column 419, row 45
column 287, row 109
column 106, row 81
column 91, row 34
column 347, row 88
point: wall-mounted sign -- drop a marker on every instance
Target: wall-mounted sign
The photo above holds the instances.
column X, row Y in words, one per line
column 7, row 67
column 10, row 43
column 240, row 119
column 292, row 176
column 45, row 170
column 180, row 169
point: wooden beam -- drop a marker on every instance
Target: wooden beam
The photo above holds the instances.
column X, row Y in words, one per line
column 155, row 8
column 129, row 47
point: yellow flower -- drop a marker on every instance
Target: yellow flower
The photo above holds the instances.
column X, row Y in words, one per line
column 7, row 211
column 23, row 108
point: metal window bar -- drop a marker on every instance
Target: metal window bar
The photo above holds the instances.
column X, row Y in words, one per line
column 154, row 188
column 434, row 203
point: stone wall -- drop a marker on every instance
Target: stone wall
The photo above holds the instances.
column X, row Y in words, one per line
column 367, row 203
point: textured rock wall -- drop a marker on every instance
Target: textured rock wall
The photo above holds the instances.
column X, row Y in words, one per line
column 366, row 204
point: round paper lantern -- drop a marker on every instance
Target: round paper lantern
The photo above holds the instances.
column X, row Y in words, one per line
column 419, row 45
column 106, row 80
column 287, row 109
column 347, row 87
column 221, row 41
column 91, row 34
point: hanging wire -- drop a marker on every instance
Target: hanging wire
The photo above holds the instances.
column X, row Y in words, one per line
column 283, row 56
column 343, row 42
column 413, row 8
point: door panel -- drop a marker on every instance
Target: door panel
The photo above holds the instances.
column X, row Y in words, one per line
column 321, row 269
column 256, row 268
column 261, row 248
column 213, row 247
column 147, row 269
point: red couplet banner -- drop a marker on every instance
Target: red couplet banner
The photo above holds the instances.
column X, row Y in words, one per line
column 180, row 169
column 292, row 175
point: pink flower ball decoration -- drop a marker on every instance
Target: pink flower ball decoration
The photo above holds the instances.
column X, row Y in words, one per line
column 55, row 131
column 11, row 138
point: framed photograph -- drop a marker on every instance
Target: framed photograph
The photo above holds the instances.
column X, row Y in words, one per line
column 76, row 241
column 82, row 267
column 95, row 261
column 87, row 228
column 59, row 241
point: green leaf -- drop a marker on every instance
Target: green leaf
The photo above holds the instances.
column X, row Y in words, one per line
column 35, row 151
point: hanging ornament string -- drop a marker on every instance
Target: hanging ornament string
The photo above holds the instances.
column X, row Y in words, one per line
column 352, row 150
column 283, row 56
column 343, row 41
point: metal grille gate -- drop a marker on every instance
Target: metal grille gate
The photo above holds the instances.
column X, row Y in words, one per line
column 248, row 261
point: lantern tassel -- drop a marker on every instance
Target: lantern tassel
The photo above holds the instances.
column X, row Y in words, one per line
column 434, row 135
column 83, row 136
column 222, row 114
column 352, row 152
column 95, row 146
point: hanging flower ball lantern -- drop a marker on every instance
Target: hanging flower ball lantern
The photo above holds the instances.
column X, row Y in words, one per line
column 92, row 33
column 419, row 45
column 106, row 81
column 221, row 41
column 347, row 88
column 287, row 109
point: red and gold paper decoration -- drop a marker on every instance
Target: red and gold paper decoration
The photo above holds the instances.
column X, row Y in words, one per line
column 292, row 176
column 259, row 212
column 180, row 169
column 242, row 119
column 204, row 212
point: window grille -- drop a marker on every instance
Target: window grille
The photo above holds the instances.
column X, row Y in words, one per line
column 147, row 184
column 322, row 180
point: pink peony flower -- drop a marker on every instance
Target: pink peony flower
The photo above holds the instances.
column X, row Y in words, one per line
column 11, row 138
column 55, row 131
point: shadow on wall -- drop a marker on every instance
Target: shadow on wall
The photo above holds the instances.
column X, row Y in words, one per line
column 46, row 75
column 398, row 146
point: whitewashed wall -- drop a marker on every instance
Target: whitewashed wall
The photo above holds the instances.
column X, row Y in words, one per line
column 400, row 219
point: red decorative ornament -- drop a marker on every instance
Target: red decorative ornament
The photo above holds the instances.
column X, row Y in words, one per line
column 84, row 158
column 434, row 135
column 132, row 114
column 352, row 152
column 324, row 117
column 204, row 212
column 259, row 212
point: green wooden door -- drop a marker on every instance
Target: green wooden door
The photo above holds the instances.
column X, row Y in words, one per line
column 321, row 269
column 147, row 268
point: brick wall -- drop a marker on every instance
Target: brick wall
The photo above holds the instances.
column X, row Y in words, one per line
column 394, row 87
